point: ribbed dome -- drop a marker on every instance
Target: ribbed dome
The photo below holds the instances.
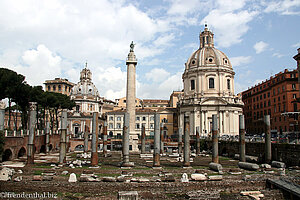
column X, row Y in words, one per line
column 207, row 55
column 85, row 87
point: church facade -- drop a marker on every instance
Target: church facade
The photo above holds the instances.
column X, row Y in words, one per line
column 208, row 82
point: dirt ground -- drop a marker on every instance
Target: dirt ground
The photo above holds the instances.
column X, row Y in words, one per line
column 228, row 188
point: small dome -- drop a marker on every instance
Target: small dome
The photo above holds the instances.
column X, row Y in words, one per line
column 85, row 87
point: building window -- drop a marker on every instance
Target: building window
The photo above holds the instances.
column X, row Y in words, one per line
column 119, row 125
column 274, row 108
column 283, row 88
column 77, row 108
column 54, row 88
column 118, row 118
column 111, row 118
column 264, row 95
column 278, row 99
column 49, row 88
column 283, row 97
column 137, row 126
column 144, row 118
column 268, row 94
column 151, row 118
column 192, row 84
column 66, row 88
column 59, row 87
column 151, row 125
column 295, row 107
column 293, row 86
column 164, row 120
column 111, row 125
column 269, row 103
column 294, row 96
column 279, row 108
column 283, row 107
column 124, row 101
column 137, row 118
column 211, row 83
column 228, row 84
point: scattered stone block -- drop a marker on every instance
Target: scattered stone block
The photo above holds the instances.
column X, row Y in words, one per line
column 215, row 166
column 134, row 180
column 18, row 179
column 5, row 174
column 126, row 173
column 215, row 178
column 278, row 164
column 253, row 194
column 72, row 178
column 266, row 166
column 246, row 177
column 128, row 195
column 48, row 173
column 64, row 173
column 184, row 178
column 198, row 177
column 169, row 178
column 20, row 171
column 143, row 180
column 248, row 166
column 37, row 178
column 47, row 178
column 109, row 179
column 121, row 179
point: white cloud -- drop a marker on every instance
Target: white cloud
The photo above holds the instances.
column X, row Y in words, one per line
column 284, row 7
column 161, row 89
column 157, row 75
column 39, row 64
column 278, row 55
column 260, row 47
column 240, row 60
column 229, row 26
column 297, row 45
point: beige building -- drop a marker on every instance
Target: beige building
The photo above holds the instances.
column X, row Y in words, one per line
column 59, row 85
column 209, row 89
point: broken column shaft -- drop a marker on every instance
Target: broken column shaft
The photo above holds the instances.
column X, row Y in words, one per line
column 86, row 141
column 197, row 140
column 186, row 153
column 242, row 138
column 180, row 130
column 125, row 147
column 161, row 138
column 215, row 135
column 2, row 115
column 143, row 140
column 95, row 131
column 32, row 123
column 105, row 140
column 268, row 153
column 47, row 131
column 156, row 156
column 63, row 137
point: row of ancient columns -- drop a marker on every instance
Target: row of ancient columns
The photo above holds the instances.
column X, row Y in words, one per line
column 64, row 140
column 215, row 138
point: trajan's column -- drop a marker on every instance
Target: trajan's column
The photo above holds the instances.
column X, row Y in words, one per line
column 130, row 98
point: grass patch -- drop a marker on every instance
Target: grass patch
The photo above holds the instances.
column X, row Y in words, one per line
column 108, row 167
column 38, row 172
column 43, row 166
column 224, row 158
column 200, row 167
column 107, row 174
column 142, row 175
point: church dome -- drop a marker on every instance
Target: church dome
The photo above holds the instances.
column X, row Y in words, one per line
column 207, row 55
column 85, row 87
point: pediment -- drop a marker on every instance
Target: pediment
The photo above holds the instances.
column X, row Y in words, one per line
column 214, row 101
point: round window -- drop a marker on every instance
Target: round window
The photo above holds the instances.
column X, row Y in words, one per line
column 193, row 62
column 225, row 61
column 210, row 60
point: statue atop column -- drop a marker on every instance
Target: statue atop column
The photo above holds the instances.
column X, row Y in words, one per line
column 132, row 47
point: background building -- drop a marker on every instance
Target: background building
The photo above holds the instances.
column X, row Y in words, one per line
column 275, row 97
column 59, row 85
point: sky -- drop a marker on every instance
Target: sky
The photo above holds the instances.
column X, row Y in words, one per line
column 46, row 39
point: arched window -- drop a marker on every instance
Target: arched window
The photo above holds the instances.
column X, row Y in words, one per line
column 54, row 88
column 228, row 84
column 211, row 83
column 192, row 84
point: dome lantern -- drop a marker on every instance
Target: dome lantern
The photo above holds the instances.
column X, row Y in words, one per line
column 206, row 38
